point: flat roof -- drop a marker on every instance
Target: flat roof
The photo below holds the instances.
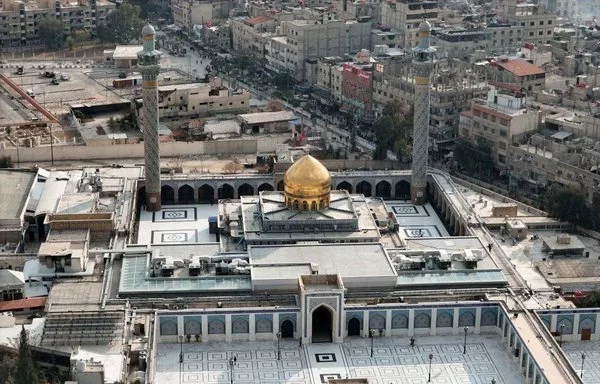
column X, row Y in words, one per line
column 347, row 259
column 15, row 186
column 77, row 203
column 267, row 117
column 552, row 243
column 520, row 67
column 126, row 51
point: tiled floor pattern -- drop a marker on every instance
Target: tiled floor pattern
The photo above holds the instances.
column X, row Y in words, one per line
column 416, row 220
column 176, row 224
column 591, row 363
column 393, row 361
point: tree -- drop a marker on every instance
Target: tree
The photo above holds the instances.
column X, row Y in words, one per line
column 232, row 167
column 592, row 300
column 70, row 43
column 80, row 36
column 475, row 158
column 566, row 204
column 25, row 372
column 51, row 32
column 392, row 132
column 122, row 25
column 6, row 162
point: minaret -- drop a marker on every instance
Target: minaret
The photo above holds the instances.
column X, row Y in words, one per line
column 149, row 66
column 422, row 64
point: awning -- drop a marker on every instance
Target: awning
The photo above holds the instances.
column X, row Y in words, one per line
column 561, row 135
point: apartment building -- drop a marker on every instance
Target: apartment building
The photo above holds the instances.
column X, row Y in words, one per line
column 251, row 35
column 406, row 15
column 386, row 36
column 300, row 40
column 517, row 71
column 536, row 23
column 454, row 87
column 357, row 89
column 328, row 86
column 187, row 13
column 218, row 36
column 503, row 120
column 504, row 38
column 19, row 20
column 198, row 99
column 461, row 43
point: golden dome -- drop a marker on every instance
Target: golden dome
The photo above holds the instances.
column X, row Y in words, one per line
column 307, row 185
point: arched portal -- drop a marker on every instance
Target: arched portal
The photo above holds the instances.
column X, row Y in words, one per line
column 265, row 187
column 226, row 192
column 206, row 194
column 245, row 190
column 354, row 327
column 186, row 195
column 287, row 329
column 322, row 325
column 383, row 189
column 167, row 195
column 364, row 188
column 344, row 185
column 280, row 186
column 402, row 190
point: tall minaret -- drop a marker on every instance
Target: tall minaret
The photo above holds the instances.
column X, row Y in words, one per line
column 422, row 64
column 149, row 66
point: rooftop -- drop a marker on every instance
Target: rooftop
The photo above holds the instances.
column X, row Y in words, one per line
column 258, row 20
column 126, row 51
column 15, row 186
column 520, row 67
column 267, row 117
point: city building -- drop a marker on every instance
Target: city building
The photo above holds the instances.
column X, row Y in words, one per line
column 406, row 15
column 462, row 43
column 300, row 40
column 199, row 99
column 502, row 120
column 267, row 122
column 517, row 71
column 19, row 20
column 187, row 13
column 357, row 88
column 504, row 38
column 536, row 23
column 250, row 35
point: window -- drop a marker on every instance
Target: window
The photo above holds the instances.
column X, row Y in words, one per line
column 542, row 22
column 530, row 33
column 549, row 22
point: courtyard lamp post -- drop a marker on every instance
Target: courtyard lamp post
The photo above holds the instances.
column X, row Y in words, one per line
column 582, row 363
column 430, row 359
column 232, row 362
column 465, row 344
column 372, row 335
column 180, row 349
column 278, row 346
column 562, row 328
column 493, row 381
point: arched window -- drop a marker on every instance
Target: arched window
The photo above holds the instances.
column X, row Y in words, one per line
column 304, row 206
column 296, row 204
column 313, row 206
column 321, row 204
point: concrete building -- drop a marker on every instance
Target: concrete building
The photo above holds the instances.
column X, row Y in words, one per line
column 386, row 36
column 19, row 20
column 250, row 35
column 517, row 71
column 405, row 16
column 199, row 99
column 187, row 13
column 218, row 37
column 536, row 23
column 503, row 120
column 267, row 122
column 357, row 89
column 504, row 38
column 328, row 87
column 15, row 187
column 126, row 56
column 312, row 39
column 462, row 43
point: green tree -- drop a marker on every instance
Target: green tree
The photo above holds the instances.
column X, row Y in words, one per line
column 51, row 32
column 475, row 158
column 81, row 36
column 122, row 25
column 566, row 204
column 392, row 132
column 70, row 43
column 25, row 372
column 592, row 300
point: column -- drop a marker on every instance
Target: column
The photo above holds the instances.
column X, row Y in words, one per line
column 252, row 327
column 433, row 326
column 388, row 323
column 553, row 321
column 204, row 328
column 228, row 328
column 527, row 368
column 176, row 194
column 411, row 322
column 478, row 320
column 366, row 332
column 275, row 325
column 455, row 321
column 575, row 334
column 195, row 193
column 597, row 327
column 180, row 328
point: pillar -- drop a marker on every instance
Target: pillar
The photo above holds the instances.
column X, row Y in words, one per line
column 411, row 322
column 228, row 328
column 275, row 325
column 477, row 320
column 388, row 323
column 366, row 324
column 251, row 327
column 204, row 328
column 575, row 334
column 433, row 327
column 455, row 317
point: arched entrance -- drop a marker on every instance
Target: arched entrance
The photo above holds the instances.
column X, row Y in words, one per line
column 245, row 190
column 344, row 185
column 287, row 329
column 280, row 186
column 206, row 194
column 364, row 188
column 226, row 192
column 383, row 189
column 403, row 190
column 354, row 327
column 167, row 195
column 186, row 195
column 265, row 187
column 322, row 325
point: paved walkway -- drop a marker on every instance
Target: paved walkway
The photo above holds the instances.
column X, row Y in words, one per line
column 591, row 364
column 393, row 361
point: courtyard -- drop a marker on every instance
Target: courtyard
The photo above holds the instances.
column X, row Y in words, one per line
column 393, row 361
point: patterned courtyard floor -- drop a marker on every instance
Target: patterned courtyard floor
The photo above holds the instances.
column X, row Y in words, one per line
column 394, row 361
column 591, row 363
